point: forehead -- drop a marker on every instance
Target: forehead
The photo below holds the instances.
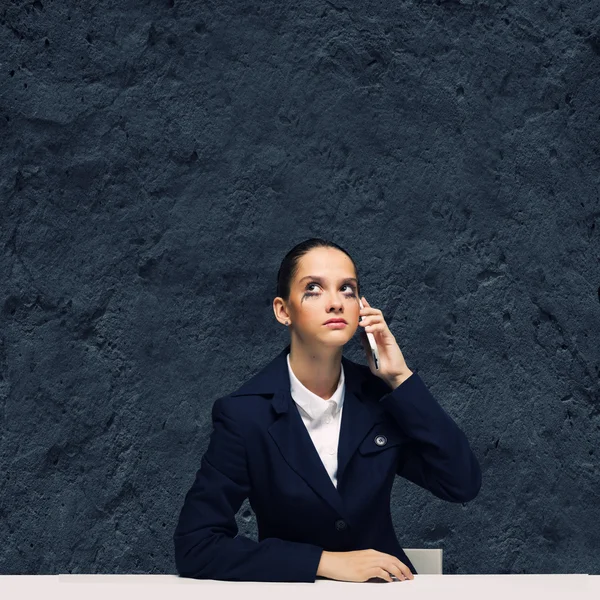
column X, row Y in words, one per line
column 328, row 263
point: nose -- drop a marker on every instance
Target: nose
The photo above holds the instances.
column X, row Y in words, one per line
column 336, row 303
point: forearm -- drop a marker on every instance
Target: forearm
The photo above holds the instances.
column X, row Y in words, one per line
column 204, row 556
column 439, row 458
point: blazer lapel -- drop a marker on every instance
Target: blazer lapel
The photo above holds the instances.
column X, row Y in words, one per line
column 294, row 441
column 298, row 450
column 358, row 417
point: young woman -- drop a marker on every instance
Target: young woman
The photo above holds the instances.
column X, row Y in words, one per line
column 314, row 441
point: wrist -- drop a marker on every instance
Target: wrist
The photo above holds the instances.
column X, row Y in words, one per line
column 323, row 568
column 397, row 380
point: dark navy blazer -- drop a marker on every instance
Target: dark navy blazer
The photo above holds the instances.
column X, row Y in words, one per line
column 260, row 449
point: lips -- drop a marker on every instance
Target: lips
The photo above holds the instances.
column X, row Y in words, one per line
column 335, row 321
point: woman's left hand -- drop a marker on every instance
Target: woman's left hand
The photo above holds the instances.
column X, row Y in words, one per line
column 392, row 366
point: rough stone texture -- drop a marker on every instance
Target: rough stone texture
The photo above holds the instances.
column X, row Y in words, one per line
column 157, row 161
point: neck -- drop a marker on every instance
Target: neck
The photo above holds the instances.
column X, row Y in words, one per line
column 318, row 369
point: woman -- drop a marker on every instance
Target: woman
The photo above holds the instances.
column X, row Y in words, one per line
column 314, row 441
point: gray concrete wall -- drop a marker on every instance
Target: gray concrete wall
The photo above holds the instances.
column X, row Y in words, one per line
column 157, row 161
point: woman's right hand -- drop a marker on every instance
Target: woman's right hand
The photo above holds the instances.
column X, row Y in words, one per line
column 362, row 565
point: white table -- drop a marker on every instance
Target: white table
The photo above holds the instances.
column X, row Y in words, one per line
column 172, row 587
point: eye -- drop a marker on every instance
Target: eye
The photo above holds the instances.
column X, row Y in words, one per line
column 348, row 285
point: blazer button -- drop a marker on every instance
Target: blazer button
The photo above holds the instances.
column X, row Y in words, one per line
column 340, row 524
column 381, row 440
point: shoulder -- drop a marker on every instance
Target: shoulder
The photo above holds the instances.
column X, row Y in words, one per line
column 247, row 409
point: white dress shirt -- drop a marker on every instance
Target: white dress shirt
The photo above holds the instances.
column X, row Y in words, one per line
column 322, row 419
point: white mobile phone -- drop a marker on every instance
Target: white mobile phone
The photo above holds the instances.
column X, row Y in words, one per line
column 371, row 338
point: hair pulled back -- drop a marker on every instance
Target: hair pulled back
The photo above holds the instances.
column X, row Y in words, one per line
column 289, row 265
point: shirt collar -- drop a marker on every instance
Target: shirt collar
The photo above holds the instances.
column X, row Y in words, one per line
column 312, row 404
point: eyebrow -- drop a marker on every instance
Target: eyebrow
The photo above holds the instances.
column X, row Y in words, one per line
column 321, row 279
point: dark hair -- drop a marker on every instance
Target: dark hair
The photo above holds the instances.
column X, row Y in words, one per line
column 289, row 264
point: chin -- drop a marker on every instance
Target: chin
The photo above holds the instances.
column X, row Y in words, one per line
column 335, row 342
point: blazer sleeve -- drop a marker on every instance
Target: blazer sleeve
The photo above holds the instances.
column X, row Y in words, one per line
column 437, row 456
column 206, row 542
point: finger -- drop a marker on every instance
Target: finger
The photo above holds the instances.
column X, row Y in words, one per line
column 368, row 320
column 393, row 567
column 384, row 574
column 397, row 567
column 367, row 305
column 405, row 570
column 373, row 320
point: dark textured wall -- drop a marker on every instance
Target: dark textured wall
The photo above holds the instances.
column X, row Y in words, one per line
column 157, row 161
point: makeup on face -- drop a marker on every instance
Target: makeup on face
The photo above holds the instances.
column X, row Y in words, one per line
column 315, row 280
column 349, row 283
